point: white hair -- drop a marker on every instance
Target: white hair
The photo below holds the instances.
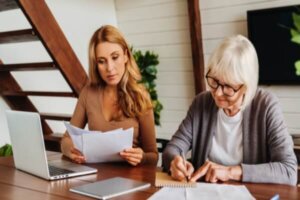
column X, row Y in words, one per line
column 235, row 61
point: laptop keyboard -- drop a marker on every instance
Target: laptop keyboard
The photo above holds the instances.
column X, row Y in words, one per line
column 54, row 171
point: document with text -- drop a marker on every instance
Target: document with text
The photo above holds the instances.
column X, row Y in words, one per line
column 97, row 146
column 204, row 191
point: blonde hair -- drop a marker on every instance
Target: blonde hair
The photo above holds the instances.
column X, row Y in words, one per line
column 133, row 98
column 235, row 60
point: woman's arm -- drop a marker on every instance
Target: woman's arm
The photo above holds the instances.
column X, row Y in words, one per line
column 146, row 153
column 148, row 138
column 181, row 141
column 282, row 167
column 79, row 120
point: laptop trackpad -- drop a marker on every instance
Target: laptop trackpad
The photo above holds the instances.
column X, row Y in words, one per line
column 68, row 165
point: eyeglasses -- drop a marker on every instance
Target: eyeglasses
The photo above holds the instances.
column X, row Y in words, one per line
column 226, row 89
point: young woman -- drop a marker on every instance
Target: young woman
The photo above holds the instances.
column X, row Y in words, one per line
column 114, row 99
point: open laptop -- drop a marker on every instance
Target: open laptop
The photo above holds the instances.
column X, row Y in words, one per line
column 27, row 140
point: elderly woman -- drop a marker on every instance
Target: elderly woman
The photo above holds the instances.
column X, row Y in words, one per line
column 235, row 131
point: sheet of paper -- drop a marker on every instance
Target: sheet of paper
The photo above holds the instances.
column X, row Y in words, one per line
column 99, row 146
column 76, row 135
column 169, row 193
column 106, row 147
column 204, row 191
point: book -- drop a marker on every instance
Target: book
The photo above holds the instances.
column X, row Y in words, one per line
column 109, row 188
column 163, row 179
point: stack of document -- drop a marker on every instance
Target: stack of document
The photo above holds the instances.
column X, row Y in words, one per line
column 204, row 191
column 97, row 146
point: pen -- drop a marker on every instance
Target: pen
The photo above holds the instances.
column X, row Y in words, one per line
column 184, row 163
column 275, row 197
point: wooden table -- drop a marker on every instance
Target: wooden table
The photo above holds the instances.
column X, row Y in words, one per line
column 15, row 184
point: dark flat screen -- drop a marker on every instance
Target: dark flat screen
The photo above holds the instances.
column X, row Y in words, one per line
column 269, row 31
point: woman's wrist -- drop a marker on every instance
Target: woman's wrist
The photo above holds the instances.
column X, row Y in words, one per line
column 235, row 173
column 66, row 145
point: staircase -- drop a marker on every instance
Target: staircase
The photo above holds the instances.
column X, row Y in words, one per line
column 46, row 30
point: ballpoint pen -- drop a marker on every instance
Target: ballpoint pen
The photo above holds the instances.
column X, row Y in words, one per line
column 186, row 177
column 184, row 163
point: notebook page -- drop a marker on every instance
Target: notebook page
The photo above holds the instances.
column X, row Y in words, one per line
column 164, row 180
column 204, row 191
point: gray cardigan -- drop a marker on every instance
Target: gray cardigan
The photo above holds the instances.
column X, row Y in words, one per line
column 268, row 155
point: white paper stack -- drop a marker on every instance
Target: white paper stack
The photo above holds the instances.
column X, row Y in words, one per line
column 97, row 146
column 204, row 191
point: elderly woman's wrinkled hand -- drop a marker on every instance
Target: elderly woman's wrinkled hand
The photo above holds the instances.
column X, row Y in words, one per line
column 214, row 172
column 179, row 171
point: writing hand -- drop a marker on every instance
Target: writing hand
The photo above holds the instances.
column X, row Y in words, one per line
column 178, row 170
column 133, row 156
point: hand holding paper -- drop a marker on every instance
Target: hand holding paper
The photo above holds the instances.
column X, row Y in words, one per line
column 99, row 146
column 133, row 156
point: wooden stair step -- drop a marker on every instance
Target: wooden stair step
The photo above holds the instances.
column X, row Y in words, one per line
column 56, row 137
column 37, row 93
column 8, row 5
column 26, row 35
column 28, row 67
column 52, row 142
column 7, row 82
column 52, row 37
column 55, row 116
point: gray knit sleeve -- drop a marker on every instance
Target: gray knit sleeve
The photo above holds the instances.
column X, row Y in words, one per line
column 282, row 167
column 181, row 140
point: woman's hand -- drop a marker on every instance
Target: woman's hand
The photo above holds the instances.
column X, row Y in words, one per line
column 76, row 156
column 133, row 156
column 179, row 171
column 70, row 151
column 214, row 172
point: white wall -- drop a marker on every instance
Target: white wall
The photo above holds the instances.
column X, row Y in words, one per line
column 158, row 25
column 224, row 18
column 163, row 27
column 78, row 19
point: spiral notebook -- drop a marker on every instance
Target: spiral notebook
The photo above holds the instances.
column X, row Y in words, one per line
column 164, row 180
